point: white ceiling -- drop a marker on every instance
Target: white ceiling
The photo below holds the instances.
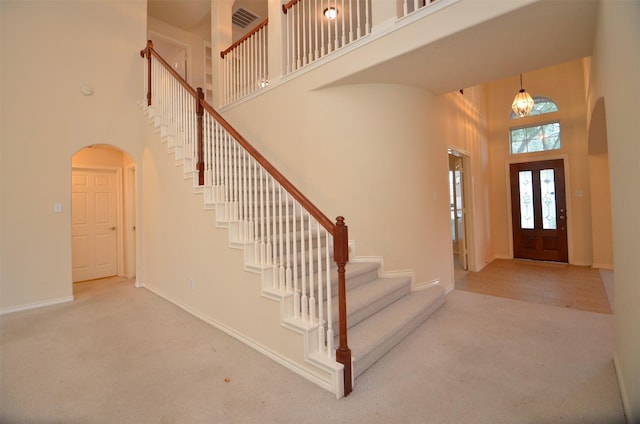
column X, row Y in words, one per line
column 541, row 34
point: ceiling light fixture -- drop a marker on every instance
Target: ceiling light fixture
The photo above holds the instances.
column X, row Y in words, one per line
column 330, row 13
column 523, row 103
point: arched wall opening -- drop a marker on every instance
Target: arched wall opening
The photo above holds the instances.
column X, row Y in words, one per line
column 602, row 230
column 103, row 213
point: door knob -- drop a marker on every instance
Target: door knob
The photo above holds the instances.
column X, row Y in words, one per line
column 112, row 228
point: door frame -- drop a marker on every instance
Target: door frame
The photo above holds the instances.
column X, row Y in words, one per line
column 567, row 188
column 120, row 248
column 469, row 205
column 129, row 209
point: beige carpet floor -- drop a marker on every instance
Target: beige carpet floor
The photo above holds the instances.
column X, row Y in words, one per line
column 123, row 355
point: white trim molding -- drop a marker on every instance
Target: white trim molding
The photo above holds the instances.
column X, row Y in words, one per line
column 35, row 305
column 623, row 392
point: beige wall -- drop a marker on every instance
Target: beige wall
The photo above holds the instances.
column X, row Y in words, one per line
column 601, row 232
column 184, row 245
column 564, row 84
column 465, row 122
column 49, row 51
column 615, row 76
column 376, row 154
column 101, row 155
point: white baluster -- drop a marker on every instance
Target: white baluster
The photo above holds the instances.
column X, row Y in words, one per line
column 227, row 176
column 315, row 17
column 296, row 283
column 343, row 19
column 236, row 180
column 245, row 196
column 290, row 241
column 289, row 35
column 329, row 37
column 367, row 25
column 298, row 44
column 250, row 205
column 312, row 297
column 220, row 163
column 303, row 258
column 256, row 229
column 268, row 219
column 265, row 56
column 336, row 41
column 351, row 20
column 274, row 223
column 305, row 50
column 322, row 44
column 262, row 219
column 320, row 291
column 281, row 274
column 330, row 333
column 205, row 148
column 274, row 227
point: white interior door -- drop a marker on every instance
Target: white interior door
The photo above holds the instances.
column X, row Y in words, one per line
column 93, row 224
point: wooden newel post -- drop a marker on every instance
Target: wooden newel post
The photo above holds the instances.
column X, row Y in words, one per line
column 147, row 52
column 341, row 256
column 200, row 115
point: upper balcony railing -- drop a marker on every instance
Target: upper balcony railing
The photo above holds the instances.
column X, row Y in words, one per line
column 317, row 28
column 306, row 32
column 245, row 64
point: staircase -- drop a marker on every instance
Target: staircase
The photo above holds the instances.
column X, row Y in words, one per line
column 287, row 245
column 381, row 311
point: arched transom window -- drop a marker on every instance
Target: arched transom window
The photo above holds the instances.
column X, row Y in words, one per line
column 538, row 137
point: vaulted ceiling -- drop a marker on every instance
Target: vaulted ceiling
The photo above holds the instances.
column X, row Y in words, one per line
column 184, row 14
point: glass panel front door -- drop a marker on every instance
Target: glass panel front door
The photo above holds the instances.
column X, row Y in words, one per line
column 539, row 211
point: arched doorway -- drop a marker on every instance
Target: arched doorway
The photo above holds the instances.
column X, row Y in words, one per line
column 103, row 207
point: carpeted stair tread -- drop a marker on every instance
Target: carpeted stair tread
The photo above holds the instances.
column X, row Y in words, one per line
column 373, row 337
column 356, row 274
column 367, row 299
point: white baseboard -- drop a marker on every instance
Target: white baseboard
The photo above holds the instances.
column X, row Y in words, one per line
column 623, row 392
column 426, row 284
column 35, row 305
column 285, row 362
column 602, row 266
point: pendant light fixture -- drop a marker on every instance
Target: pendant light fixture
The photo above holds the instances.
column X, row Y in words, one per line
column 523, row 103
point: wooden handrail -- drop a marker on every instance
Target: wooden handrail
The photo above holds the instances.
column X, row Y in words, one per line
column 281, row 179
column 287, row 6
column 339, row 230
column 149, row 51
column 244, row 38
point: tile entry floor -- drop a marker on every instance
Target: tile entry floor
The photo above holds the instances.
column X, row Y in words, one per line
column 570, row 286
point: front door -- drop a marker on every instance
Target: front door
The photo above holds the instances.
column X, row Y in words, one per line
column 539, row 211
column 93, row 224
